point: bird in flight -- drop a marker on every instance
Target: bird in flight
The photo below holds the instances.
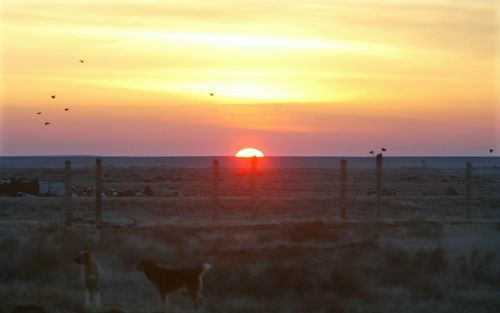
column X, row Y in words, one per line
column 491, row 150
column 371, row 152
column 211, row 94
column 66, row 109
column 47, row 123
column 53, row 96
column 81, row 61
column 384, row 149
column 38, row 113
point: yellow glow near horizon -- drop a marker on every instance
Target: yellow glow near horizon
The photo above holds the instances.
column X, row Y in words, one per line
column 249, row 153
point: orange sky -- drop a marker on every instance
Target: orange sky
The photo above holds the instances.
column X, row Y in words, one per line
column 303, row 77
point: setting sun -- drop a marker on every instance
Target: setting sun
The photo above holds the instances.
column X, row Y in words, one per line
column 249, row 152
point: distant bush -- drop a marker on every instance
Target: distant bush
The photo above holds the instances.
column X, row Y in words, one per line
column 478, row 268
column 40, row 262
column 483, row 271
column 9, row 245
column 31, row 261
column 233, row 277
column 425, row 288
column 397, row 268
column 8, row 258
column 400, row 268
column 423, row 229
column 309, row 231
column 288, row 279
column 396, row 258
column 242, row 280
column 432, row 262
column 346, row 281
column 316, row 302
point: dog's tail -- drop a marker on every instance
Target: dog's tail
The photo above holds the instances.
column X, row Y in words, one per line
column 206, row 267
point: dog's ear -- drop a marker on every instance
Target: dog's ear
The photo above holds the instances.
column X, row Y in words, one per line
column 82, row 257
column 86, row 255
column 79, row 257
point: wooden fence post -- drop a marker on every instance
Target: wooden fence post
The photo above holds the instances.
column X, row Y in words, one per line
column 67, row 191
column 253, row 178
column 98, row 193
column 379, row 183
column 215, row 172
column 468, row 187
column 343, row 188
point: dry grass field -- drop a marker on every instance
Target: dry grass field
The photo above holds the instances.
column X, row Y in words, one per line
column 420, row 255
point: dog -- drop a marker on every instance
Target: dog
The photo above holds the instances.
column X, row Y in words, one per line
column 90, row 277
column 167, row 280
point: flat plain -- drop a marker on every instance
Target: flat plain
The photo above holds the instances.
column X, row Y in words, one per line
column 428, row 249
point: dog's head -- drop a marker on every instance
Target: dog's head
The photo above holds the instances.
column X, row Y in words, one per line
column 206, row 267
column 83, row 257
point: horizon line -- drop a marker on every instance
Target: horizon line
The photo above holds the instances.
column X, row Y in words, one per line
column 213, row 156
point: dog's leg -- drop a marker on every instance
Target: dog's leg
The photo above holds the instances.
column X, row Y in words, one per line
column 195, row 297
column 200, row 299
column 98, row 298
column 87, row 297
column 92, row 296
column 163, row 297
column 164, row 300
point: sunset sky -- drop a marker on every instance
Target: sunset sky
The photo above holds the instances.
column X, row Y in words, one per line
column 290, row 77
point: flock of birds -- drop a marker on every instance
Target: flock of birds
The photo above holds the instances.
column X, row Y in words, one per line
column 384, row 150
column 53, row 97
column 67, row 109
column 39, row 113
column 211, row 95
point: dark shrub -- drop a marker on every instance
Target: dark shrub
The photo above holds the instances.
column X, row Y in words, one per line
column 241, row 281
column 422, row 229
column 346, row 281
column 9, row 245
column 480, row 267
column 41, row 263
column 148, row 191
column 295, row 279
column 396, row 258
column 309, row 231
column 425, row 288
column 320, row 302
column 397, row 268
column 450, row 191
column 437, row 261
column 433, row 262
